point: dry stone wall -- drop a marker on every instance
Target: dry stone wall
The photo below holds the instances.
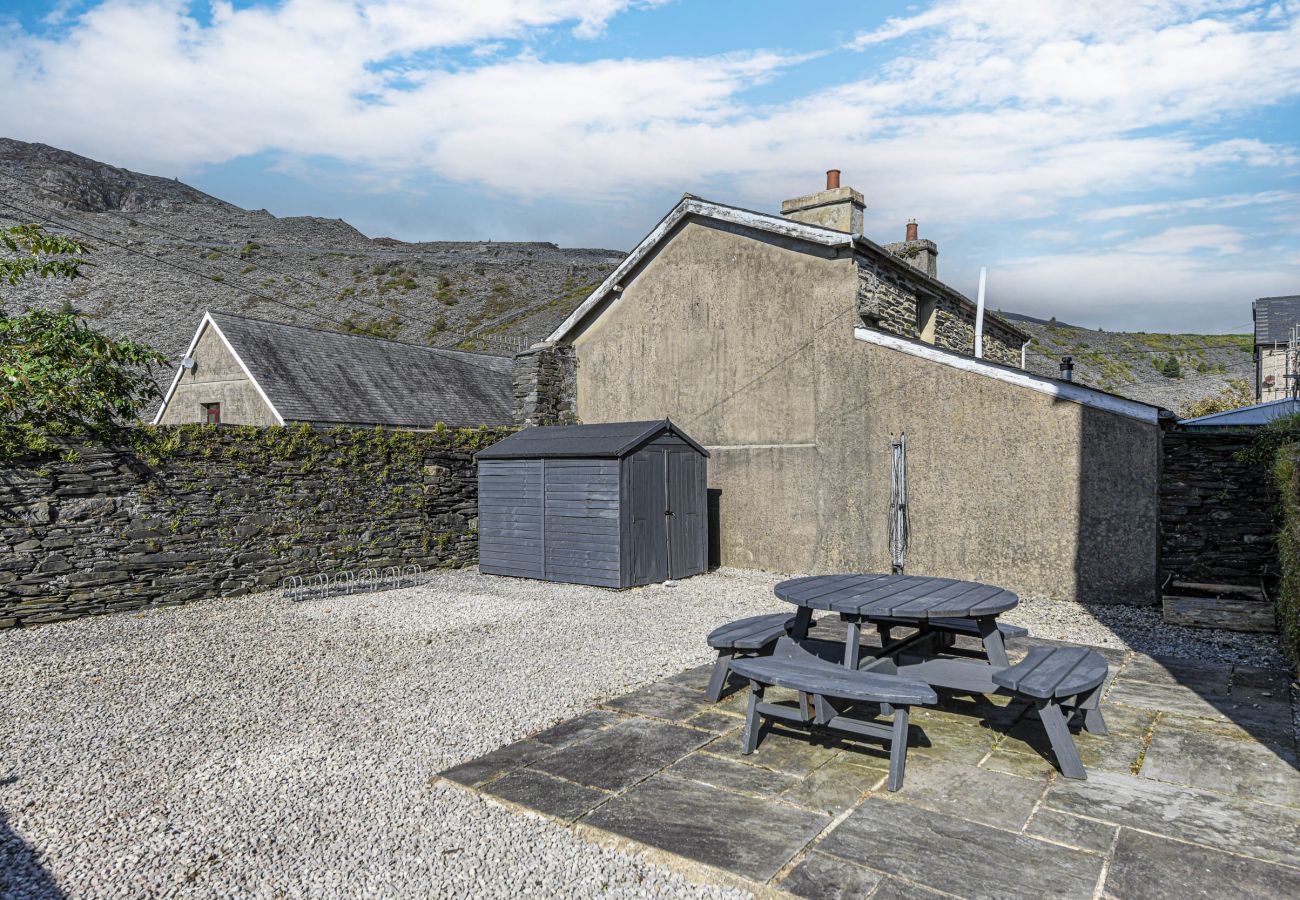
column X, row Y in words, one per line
column 1218, row 511
column 182, row 513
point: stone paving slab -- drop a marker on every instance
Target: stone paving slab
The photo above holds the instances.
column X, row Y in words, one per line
column 1072, row 831
column 546, row 794
column 959, row 856
column 711, row 825
column 960, row 790
column 621, row 755
column 1208, row 758
column 1149, row 867
column 1239, row 825
column 1193, row 792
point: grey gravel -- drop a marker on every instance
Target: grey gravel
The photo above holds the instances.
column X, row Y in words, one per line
column 1143, row 628
column 257, row 747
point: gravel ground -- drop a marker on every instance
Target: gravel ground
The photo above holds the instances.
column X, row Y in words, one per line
column 1144, row 629
column 255, row 747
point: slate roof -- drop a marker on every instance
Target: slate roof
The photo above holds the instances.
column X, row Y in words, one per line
column 1248, row 416
column 1274, row 317
column 329, row 377
column 607, row 440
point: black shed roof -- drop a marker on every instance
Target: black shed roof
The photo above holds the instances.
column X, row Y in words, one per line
column 310, row 375
column 1274, row 317
column 607, row 440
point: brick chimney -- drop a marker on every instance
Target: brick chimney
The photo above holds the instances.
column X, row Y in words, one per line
column 839, row 208
column 923, row 255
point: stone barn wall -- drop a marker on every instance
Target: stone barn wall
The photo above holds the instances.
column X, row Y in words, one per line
column 1218, row 513
column 189, row 512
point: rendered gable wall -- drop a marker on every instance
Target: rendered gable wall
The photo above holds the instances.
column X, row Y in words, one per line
column 216, row 378
column 746, row 341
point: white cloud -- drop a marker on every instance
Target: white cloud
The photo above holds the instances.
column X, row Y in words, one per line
column 1191, row 204
column 989, row 110
column 1189, row 238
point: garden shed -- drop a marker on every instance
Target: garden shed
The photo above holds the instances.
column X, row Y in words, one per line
column 615, row 505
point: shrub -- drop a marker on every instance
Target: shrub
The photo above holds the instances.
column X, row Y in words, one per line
column 1286, row 473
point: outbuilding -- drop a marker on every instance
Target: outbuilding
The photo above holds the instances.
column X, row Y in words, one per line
column 614, row 505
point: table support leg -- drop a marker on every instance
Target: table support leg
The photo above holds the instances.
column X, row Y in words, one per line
column 992, row 638
column 802, row 619
column 853, row 644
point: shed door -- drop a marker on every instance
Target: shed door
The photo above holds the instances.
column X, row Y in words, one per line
column 648, row 546
column 686, row 514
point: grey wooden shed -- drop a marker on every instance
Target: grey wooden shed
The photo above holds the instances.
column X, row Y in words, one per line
column 614, row 505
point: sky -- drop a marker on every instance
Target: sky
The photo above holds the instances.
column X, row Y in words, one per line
column 1113, row 163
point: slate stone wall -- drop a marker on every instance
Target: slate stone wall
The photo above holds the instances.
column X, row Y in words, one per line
column 546, row 385
column 888, row 302
column 211, row 512
column 1218, row 513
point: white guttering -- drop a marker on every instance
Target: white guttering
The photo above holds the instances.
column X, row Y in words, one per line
column 189, row 351
column 689, row 206
column 1075, row 393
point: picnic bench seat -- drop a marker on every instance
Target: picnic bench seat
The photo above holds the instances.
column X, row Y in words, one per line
column 967, row 627
column 753, row 636
column 1061, row 681
column 791, row 666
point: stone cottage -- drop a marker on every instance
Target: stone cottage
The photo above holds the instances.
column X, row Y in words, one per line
column 243, row 371
column 795, row 349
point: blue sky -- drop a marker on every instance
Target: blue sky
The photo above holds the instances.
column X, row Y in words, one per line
column 1117, row 164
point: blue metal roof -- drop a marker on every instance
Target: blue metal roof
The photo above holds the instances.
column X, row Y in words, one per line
column 1258, row 414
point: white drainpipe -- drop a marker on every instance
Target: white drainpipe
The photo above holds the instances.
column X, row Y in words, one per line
column 979, row 318
column 1024, row 354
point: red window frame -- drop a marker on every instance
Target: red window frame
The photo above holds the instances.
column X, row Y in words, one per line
column 211, row 413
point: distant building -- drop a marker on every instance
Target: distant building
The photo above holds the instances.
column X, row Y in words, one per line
column 242, row 371
column 1256, row 416
column 1275, row 318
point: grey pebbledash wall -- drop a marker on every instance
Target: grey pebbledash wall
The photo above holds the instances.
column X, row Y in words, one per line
column 205, row 512
column 1218, row 513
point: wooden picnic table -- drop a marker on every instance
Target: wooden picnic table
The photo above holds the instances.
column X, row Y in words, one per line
column 1060, row 681
column 900, row 599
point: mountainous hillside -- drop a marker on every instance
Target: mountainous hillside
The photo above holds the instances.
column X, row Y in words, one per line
column 165, row 252
column 1137, row 364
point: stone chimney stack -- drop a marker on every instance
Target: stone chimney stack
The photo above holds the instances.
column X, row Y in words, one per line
column 923, row 255
column 839, row 208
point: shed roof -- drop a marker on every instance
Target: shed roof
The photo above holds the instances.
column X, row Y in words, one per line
column 1274, row 317
column 309, row 375
column 1247, row 416
column 605, row 440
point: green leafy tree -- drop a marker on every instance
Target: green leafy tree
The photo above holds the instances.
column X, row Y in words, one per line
column 32, row 251
column 1171, row 367
column 58, row 376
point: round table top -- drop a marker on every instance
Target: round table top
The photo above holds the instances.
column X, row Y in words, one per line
column 897, row 596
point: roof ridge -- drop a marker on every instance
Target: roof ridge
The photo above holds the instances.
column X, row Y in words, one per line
column 363, row 337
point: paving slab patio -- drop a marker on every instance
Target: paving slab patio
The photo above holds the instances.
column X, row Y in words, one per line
column 1195, row 791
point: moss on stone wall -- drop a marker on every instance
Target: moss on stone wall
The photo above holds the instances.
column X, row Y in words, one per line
column 173, row 514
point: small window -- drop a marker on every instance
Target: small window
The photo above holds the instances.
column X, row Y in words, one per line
column 211, row 413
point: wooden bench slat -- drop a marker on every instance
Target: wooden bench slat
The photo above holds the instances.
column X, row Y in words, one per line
column 1048, row 672
column 793, row 667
